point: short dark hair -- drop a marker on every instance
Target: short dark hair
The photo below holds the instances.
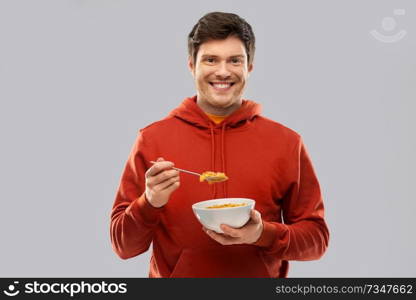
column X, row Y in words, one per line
column 219, row 26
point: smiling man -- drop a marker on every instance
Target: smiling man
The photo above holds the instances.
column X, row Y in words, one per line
column 218, row 130
column 220, row 70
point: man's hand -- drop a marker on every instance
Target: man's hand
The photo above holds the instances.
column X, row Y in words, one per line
column 161, row 181
column 248, row 234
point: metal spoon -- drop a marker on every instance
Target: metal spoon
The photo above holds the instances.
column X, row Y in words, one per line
column 209, row 178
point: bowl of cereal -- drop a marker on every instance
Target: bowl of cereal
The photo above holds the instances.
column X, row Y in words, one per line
column 234, row 212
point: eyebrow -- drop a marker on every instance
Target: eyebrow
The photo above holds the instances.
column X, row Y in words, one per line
column 231, row 56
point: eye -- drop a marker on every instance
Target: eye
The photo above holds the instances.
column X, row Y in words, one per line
column 210, row 60
column 236, row 60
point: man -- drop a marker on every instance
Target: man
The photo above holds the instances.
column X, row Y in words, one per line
column 217, row 130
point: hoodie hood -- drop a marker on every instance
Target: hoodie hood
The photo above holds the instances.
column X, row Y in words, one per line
column 189, row 112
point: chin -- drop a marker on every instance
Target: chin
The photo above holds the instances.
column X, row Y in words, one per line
column 221, row 103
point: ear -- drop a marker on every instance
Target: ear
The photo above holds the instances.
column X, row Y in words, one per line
column 250, row 68
column 191, row 65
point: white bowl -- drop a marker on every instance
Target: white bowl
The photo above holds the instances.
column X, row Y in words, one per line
column 212, row 218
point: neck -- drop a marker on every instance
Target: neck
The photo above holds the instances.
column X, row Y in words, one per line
column 218, row 111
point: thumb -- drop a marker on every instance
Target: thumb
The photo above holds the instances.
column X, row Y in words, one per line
column 255, row 216
column 160, row 159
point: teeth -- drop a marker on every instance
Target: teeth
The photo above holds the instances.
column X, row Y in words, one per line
column 222, row 85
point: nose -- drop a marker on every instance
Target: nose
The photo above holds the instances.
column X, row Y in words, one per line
column 222, row 71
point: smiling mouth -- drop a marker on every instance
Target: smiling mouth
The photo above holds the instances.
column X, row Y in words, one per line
column 222, row 86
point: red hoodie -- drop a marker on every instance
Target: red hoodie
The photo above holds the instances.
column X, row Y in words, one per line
column 264, row 161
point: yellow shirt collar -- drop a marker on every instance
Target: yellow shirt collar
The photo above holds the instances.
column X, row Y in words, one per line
column 216, row 119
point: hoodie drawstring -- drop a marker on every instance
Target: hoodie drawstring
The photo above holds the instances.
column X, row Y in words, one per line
column 223, row 157
column 213, row 155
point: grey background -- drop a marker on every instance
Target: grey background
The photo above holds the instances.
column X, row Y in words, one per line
column 79, row 78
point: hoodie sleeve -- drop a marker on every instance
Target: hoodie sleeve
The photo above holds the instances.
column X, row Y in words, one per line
column 133, row 219
column 304, row 234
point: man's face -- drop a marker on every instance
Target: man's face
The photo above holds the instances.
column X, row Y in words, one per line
column 220, row 74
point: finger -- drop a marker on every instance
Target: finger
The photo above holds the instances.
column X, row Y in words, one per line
column 160, row 159
column 167, row 183
column 220, row 238
column 215, row 236
column 255, row 216
column 172, row 187
column 231, row 231
column 158, row 167
column 163, row 176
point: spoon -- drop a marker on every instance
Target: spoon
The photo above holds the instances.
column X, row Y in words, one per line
column 209, row 176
